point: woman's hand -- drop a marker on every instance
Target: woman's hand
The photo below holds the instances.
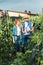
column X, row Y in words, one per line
column 13, row 40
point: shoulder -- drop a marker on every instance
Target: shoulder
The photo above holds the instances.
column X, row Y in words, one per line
column 30, row 23
column 23, row 23
column 14, row 27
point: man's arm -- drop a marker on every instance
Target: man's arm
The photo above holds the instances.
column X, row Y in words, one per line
column 31, row 29
column 23, row 31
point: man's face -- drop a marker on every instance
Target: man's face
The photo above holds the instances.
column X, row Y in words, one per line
column 26, row 19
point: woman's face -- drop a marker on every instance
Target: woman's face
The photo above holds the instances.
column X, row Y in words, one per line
column 18, row 23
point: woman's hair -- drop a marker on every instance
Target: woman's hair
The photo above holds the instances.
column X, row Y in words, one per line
column 16, row 21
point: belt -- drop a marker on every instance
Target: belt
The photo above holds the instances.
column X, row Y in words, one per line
column 17, row 35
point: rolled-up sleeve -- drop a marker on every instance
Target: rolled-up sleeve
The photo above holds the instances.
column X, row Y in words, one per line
column 31, row 24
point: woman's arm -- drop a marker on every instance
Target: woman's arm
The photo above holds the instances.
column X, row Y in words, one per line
column 13, row 39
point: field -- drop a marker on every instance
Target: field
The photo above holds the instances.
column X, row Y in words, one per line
column 34, row 53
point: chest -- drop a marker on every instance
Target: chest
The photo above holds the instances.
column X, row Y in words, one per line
column 18, row 29
column 27, row 25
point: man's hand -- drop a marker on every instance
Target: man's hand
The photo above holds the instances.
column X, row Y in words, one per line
column 28, row 31
column 31, row 30
column 23, row 32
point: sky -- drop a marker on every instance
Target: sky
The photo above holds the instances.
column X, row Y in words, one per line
column 34, row 6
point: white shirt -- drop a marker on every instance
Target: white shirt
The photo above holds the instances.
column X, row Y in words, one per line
column 18, row 31
column 26, row 28
column 26, row 24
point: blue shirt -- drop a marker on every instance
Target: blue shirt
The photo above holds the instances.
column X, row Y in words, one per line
column 15, row 32
column 29, row 27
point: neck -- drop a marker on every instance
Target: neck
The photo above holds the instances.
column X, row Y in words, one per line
column 16, row 25
column 26, row 21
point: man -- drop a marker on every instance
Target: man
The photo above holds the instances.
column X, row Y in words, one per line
column 27, row 28
column 16, row 35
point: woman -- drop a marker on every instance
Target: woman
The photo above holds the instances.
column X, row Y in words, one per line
column 16, row 35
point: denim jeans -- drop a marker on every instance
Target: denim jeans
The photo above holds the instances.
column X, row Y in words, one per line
column 25, row 40
column 17, row 44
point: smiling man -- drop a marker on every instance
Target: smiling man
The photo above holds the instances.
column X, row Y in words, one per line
column 27, row 29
